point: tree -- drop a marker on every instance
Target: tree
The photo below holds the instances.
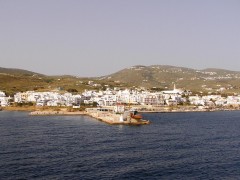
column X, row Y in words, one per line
column 71, row 90
column 95, row 104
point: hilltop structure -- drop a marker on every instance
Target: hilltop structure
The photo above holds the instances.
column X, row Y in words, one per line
column 174, row 91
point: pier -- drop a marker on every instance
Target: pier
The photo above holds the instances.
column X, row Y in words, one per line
column 110, row 117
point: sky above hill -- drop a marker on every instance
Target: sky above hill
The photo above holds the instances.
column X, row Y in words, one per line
column 99, row 37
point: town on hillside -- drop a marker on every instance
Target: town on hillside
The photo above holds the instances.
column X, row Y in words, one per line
column 140, row 99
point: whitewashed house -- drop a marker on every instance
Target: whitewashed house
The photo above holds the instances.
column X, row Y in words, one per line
column 2, row 94
column 233, row 100
column 119, row 108
column 3, row 99
column 196, row 100
column 221, row 102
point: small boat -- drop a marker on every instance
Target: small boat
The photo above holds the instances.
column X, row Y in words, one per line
column 134, row 115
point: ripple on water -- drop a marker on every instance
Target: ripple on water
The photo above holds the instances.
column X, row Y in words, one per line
column 174, row 146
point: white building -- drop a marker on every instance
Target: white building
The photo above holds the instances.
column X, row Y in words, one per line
column 174, row 91
column 3, row 99
column 2, row 94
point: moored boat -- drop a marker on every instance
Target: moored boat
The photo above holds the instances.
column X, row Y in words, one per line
column 135, row 115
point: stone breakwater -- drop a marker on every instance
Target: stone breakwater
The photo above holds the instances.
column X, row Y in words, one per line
column 48, row 113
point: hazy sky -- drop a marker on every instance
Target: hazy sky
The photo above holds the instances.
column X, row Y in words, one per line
column 99, row 37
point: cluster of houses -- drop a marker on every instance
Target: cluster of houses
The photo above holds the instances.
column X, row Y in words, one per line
column 101, row 98
column 48, row 98
column 111, row 97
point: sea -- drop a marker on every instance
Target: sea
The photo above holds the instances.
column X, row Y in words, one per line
column 193, row 145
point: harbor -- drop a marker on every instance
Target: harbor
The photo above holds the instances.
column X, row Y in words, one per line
column 107, row 115
column 120, row 114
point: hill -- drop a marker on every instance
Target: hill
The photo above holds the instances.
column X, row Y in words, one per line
column 18, row 72
column 158, row 77
column 17, row 80
column 163, row 77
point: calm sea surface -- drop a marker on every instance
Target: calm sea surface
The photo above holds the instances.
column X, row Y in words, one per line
column 174, row 146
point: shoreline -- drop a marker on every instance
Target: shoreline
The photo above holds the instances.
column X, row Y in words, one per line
column 189, row 111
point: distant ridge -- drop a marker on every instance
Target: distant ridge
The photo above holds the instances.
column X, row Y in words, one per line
column 13, row 71
column 220, row 70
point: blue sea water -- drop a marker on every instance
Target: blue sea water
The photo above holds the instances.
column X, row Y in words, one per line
column 199, row 145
